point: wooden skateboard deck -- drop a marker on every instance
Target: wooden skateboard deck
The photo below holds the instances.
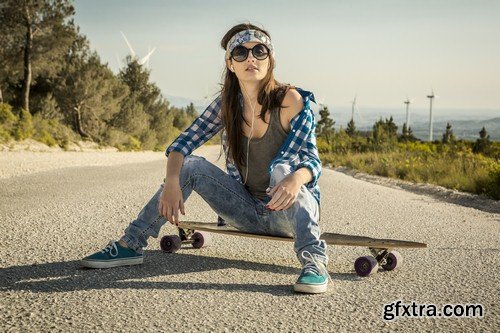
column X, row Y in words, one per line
column 198, row 235
column 329, row 238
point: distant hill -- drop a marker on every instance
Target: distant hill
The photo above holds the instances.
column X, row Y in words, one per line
column 466, row 124
column 463, row 129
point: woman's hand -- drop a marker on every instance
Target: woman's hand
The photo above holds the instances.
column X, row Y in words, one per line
column 171, row 201
column 285, row 192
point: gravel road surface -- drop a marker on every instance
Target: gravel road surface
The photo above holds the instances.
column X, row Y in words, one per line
column 52, row 218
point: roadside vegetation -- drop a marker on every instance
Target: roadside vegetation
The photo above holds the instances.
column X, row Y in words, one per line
column 469, row 166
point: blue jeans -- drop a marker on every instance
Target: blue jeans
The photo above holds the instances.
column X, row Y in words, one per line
column 233, row 203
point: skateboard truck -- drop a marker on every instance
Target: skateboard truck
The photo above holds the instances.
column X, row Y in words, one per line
column 197, row 239
column 368, row 265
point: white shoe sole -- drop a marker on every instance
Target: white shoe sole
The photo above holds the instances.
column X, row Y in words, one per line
column 111, row 263
column 310, row 288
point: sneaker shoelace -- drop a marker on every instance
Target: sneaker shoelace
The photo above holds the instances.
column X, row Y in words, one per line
column 313, row 265
column 109, row 248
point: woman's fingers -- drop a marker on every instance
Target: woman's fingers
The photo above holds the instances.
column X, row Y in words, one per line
column 289, row 204
column 275, row 198
column 166, row 212
column 169, row 215
column 280, row 199
column 182, row 207
column 176, row 216
column 282, row 204
column 285, row 201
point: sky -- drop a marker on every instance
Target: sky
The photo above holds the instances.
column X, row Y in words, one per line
column 382, row 51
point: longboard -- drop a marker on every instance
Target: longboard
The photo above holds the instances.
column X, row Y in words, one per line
column 198, row 235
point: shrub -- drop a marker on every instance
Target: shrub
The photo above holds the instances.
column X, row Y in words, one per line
column 116, row 138
column 133, row 144
column 148, row 140
column 323, row 146
column 24, row 127
column 52, row 132
column 7, row 122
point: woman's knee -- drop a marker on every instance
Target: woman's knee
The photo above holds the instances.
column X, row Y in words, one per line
column 192, row 163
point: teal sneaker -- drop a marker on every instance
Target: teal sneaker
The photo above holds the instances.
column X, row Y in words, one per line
column 113, row 255
column 314, row 277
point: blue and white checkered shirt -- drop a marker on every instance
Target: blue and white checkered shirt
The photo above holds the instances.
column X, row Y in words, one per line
column 299, row 149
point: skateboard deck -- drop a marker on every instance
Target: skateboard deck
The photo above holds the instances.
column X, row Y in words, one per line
column 198, row 234
column 329, row 238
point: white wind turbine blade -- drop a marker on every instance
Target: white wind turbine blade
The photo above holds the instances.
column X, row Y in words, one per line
column 353, row 106
column 132, row 52
column 146, row 57
column 361, row 119
column 433, row 94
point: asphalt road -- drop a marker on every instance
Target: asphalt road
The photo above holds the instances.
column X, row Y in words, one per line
column 49, row 220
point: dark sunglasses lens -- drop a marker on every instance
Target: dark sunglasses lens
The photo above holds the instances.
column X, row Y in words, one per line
column 240, row 53
column 260, row 52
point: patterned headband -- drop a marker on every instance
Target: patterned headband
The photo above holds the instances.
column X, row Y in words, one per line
column 246, row 36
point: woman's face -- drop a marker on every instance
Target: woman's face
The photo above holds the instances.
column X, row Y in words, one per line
column 250, row 69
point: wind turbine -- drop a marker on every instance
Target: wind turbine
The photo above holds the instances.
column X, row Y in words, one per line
column 431, row 98
column 356, row 109
column 141, row 61
column 407, row 102
column 353, row 107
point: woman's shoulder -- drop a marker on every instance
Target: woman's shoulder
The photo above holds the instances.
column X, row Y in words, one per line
column 294, row 101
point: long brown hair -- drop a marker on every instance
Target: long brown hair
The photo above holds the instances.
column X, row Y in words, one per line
column 270, row 96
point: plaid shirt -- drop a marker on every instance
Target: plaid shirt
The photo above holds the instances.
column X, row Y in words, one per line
column 299, row 149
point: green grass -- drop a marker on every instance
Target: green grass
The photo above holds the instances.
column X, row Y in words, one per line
column 421, row 163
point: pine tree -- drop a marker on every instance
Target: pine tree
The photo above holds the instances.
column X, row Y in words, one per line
column 448, row 136
column 351, row 128
column 191, row 111
column 384, row 134
column 88, row 93
column 483, row 144
column 34, row 38
column 407, row 134
column 405, row 130
column 137, row 78
column 160, row 116
column 391, row 127
column 325, row 127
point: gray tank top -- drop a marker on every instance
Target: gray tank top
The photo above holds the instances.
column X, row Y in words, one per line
column 262, row 151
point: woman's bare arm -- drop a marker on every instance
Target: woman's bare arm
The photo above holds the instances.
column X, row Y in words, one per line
column 174, row 165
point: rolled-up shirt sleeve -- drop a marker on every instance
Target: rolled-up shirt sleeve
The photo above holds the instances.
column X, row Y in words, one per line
column 308, row 153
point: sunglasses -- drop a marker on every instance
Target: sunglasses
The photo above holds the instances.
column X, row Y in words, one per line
column 259, row 52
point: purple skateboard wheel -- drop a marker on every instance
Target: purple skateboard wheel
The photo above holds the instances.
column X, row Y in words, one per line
column 365, row 266
column 393, row 260
column 201, row 239
column 170, row 243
